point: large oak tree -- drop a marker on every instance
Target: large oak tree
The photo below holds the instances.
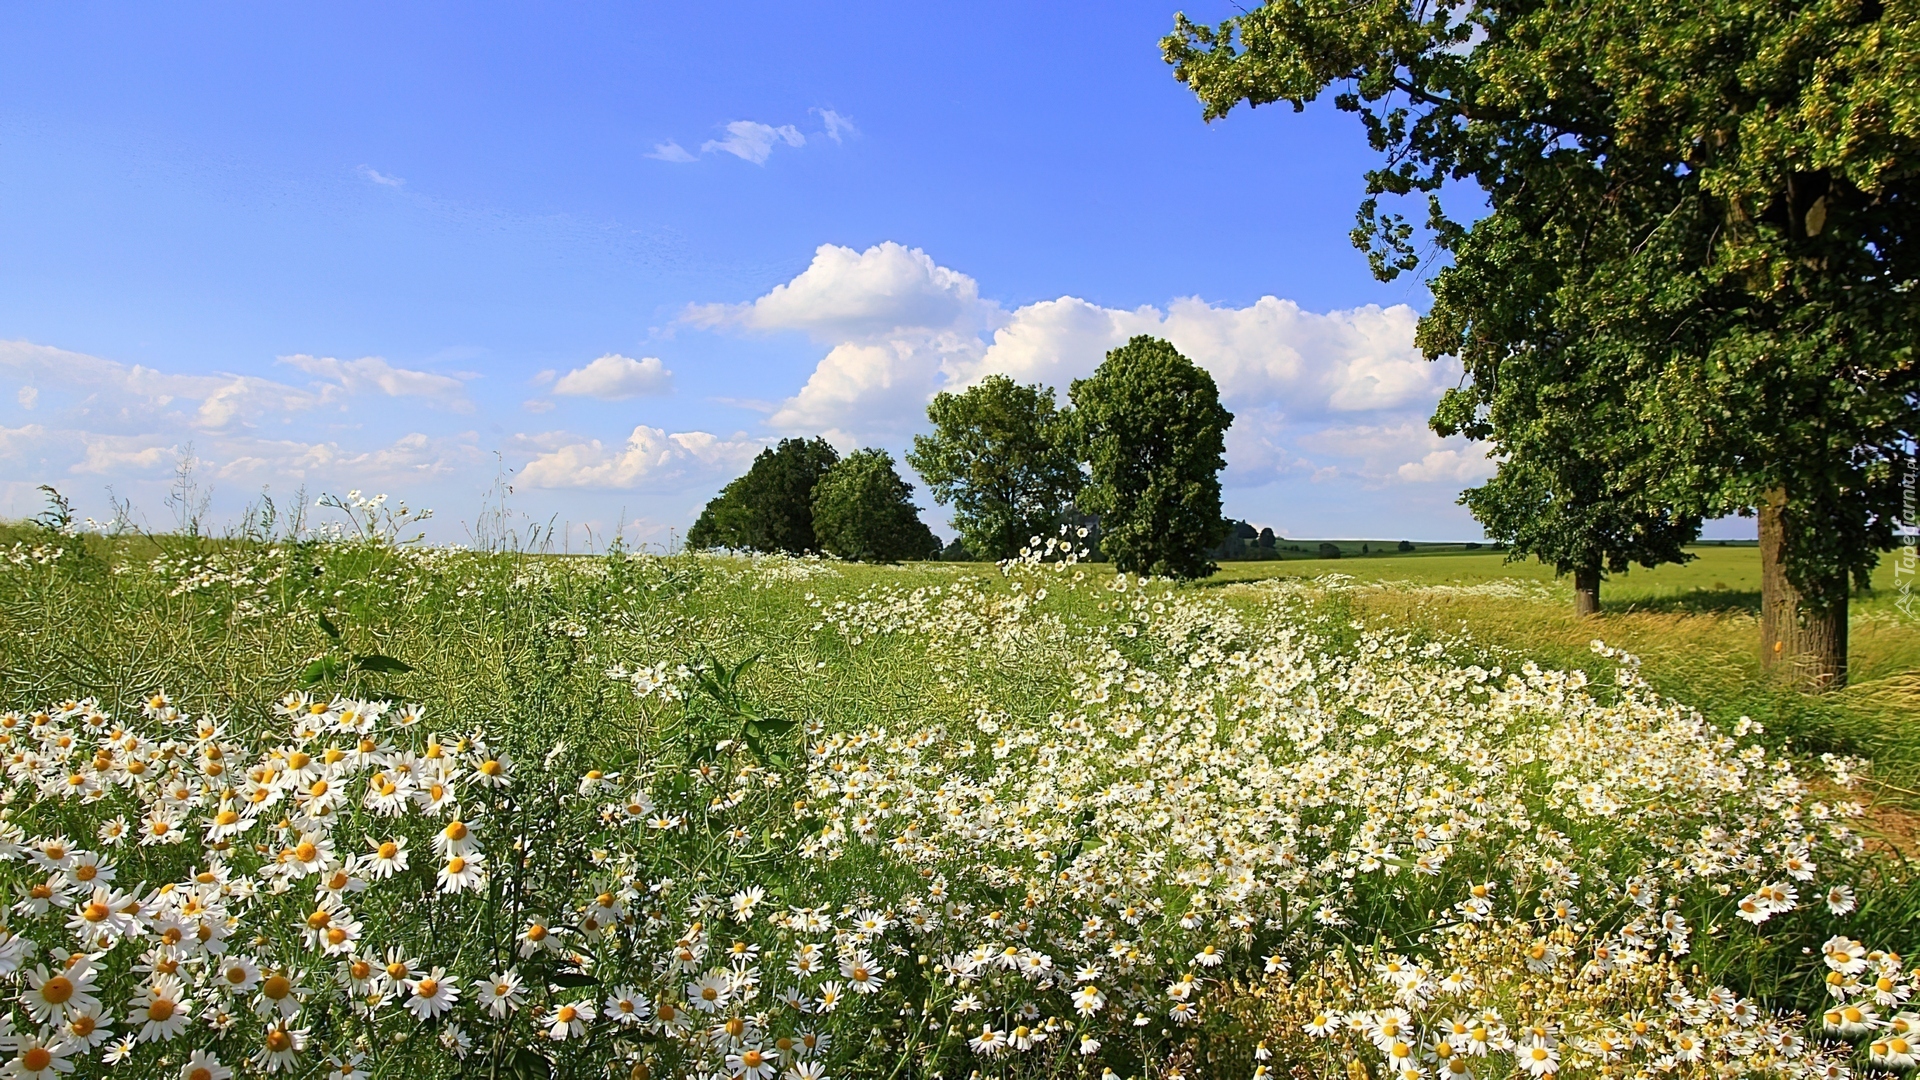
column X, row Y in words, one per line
column 1703, row 210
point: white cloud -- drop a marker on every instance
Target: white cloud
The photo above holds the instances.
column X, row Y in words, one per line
column 650, row 459
column 615, row 378
column 1270, row 352
column 380, row 178
column 754, row 141
column 1405, row 452
column 1462, row 465
column 16, row 441
column 837, row 126
column 27, row 397
column 862, row 389
column 370, row 373
column 409, row 460
column 671, row 151
column 862, row 295
column 899, row 327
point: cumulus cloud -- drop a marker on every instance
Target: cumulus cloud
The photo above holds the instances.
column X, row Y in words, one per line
column 649, row 459
column 671, row 151
column 1403, row 452
column 753, row 141
column 898, row 327
column 862, row 295
column 861, row 389
column 615, row 378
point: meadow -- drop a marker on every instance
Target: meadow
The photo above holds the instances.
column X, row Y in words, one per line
column 352, row 808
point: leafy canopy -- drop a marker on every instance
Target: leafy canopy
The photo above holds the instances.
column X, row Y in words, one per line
column 1705, row 210
column 1001, row 454
column 863, row 510
column 771, row 507
column 1152, row 430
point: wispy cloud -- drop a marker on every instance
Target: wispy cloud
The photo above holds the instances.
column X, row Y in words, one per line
column 753, row 141
column 381, row 178
column 671, row 151
column 837, row 126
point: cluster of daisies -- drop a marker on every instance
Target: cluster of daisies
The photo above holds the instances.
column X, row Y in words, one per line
column 1101, row 812
column 1207, row 793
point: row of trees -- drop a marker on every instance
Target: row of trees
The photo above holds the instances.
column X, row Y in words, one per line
column 1138, row 450
column 1695, row 290
column 802, row 496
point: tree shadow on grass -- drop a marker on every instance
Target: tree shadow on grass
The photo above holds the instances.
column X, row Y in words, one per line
column 1692, row 602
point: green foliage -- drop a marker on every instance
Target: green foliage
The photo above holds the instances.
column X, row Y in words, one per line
column 1243, row 541
column 1150, row 425
column 1702, row 217
column 770, row 508
column 862, row 510
column 1000, row 453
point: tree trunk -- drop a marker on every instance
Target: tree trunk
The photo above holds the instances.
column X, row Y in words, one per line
column 1804, row 640
column 1586, row 592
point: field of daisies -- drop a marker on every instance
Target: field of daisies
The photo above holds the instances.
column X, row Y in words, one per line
column 347, row 808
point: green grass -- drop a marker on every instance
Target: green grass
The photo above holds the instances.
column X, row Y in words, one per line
column 520, row 646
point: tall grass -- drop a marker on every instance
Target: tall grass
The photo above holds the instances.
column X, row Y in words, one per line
column 1199, row 796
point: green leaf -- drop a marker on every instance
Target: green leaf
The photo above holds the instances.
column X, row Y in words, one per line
column 377, row 662
column 524, row 1064
column 326, row 625
column 574, row 979
column 326, row 667
column 771, row 727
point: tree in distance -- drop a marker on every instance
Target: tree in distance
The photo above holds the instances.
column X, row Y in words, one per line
column 770, row 509
column 863, row 510
column 1571, row 488
column 1706, row 210
column 1150, row 426
column 1001, row 454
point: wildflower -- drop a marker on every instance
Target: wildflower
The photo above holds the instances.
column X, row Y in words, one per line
column 463, row 872
column 501, row 994
column 37, row 1059
column 455, row 839
column 752, row 1063
column 278, row 995
column 1088, row 1000
column 431, row 995
column 88, row 1028
column 1537, row 1058
column 569, row 1021
column 989, row 1043
column 280, row 1048
column 162, row 1008
column 862, row 974
column 625, row 1006
column 53, row 997
column 204, row 1065
column 387, row 858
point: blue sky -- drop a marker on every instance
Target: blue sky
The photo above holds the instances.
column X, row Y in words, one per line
column 617, row 248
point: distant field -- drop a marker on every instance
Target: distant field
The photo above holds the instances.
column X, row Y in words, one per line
column 1718, row 577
